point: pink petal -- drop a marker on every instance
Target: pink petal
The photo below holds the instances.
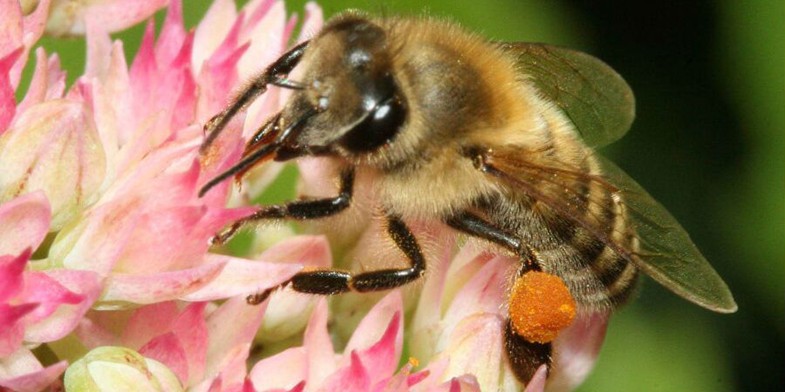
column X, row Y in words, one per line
column 231, row 327
column 33, row 28
column 83, row 288
column 99, row 239
column 24, row 222
column 54, row 147
column 22, row 372
column 308, row 250
column 10, row 27
column 265, row 25
column 149, row 321
column 537, row 383
column 7, row 99
column 191, row 329
column 159, row 287
column 267, row 374
column 318, row 346
column 352, row 378
column 312, row 22
column 241, row 277
column 375, row 324
column 381, row 359
column 107, row 71
column 11, row 329
column 169, row 350
column 465, row 383
column 211, row 31
column 164, row 236
column 172, row 36
column 232, row 375
column 48, row 81
column 476, row 347
column 91, row 333
column 218, row 75
column 115, row 15
column 484, row 292
column 46, row 291
column 576, row 350
column 11, row 274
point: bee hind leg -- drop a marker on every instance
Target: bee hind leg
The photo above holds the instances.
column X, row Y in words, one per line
column 525, row 357
column 476, row 226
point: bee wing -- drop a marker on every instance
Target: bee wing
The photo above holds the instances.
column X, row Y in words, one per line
column 595, row 98
column 665, row 251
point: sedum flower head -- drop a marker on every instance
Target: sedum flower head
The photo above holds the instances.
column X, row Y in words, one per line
column 106, row 274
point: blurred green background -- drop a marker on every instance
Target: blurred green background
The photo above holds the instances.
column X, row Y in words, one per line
column 708, row 143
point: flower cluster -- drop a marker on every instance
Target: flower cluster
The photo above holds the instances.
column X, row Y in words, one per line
column 106, row 275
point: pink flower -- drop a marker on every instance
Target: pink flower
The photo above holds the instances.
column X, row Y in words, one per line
column 35, row 306
column 104, row 254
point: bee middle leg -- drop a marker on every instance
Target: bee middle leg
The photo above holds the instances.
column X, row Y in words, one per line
column 329, row 282
column 525, row 357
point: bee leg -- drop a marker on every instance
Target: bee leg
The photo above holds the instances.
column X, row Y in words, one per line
column 476, row 226
column 300, row 210
column 273, row 74
column 525, row 357
column 329, row 282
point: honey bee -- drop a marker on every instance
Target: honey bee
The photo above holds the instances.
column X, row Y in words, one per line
column 493, row 139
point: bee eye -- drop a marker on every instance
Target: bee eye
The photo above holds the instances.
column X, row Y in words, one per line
column 378, row 128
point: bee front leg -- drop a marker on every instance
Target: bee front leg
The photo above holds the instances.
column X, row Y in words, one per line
column 300, row 210
column 273, row 74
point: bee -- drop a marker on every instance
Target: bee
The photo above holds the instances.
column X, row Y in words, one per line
column 495, row 140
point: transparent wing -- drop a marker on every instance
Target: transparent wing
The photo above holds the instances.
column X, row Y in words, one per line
column 665, row 251
column 596, row 98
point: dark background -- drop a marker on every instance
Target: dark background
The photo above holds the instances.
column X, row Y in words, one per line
column 708, row 143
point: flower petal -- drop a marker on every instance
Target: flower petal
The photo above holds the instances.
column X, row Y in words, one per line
column 241, row 277
column 211, row 31
column 22, row 372
column 11, row 328
column 158, row 287
column 376, row 322
column 476, row 347
column 168, row 350
column 231, row 327
column 11, row 28
column 267, row 375
column 54, row 147
column 7, row 99
column 24, row 222
column 537, row 383
column 576, row 350
column 68, row 18
column 65, row 296
column 352, row 378
column 48, row 81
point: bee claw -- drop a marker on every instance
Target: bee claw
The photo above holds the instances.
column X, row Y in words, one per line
column 223, row 236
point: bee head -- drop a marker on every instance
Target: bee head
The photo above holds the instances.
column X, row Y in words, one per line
column 349, row 103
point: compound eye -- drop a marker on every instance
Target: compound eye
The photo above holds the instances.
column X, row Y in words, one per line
column 378, row 128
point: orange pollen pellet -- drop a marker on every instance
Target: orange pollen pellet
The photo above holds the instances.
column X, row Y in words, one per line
column 540, row 306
